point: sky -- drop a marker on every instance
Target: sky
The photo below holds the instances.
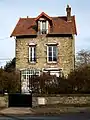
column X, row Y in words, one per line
column 12, row 10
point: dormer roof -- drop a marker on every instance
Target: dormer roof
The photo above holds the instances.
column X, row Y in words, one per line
column 43, row 15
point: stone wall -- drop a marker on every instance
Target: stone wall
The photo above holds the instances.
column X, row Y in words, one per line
column 3, row 101
column 63, row 100
column 66, row 53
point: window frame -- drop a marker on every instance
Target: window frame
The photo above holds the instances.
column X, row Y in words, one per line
column 32, row 53
column 52, row 45
column 41, row 27
column 26, row 74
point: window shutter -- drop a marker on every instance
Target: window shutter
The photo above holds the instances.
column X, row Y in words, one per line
column 47, row 26
column 38, row 26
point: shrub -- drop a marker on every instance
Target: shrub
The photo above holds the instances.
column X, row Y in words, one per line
column 80, row 80
column 9, row 81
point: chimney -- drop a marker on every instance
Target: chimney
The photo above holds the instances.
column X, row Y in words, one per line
column 68, row 10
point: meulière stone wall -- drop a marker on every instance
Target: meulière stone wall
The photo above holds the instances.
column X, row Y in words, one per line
column 63, row 100
column 66, row 53
column 3, row 101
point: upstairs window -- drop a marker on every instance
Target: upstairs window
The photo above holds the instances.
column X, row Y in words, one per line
column 43, row 27
column 52, row 53
column 32, row 54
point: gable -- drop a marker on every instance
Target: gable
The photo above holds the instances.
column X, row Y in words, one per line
column 43, row 15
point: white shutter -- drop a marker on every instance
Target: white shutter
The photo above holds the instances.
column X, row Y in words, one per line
column 41, row 26
column 47, row 26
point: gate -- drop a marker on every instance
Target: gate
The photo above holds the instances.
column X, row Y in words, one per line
column 20, row 100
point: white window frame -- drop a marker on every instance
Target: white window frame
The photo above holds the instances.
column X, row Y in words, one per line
column 41, row 29
column 31, row 54
column 51, row 45
column 28, row 73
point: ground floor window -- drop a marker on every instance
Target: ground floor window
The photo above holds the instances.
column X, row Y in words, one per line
column 26, row 75
column 53, row 71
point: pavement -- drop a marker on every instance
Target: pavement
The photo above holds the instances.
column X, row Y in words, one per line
column 42, row 110
column 16, row 111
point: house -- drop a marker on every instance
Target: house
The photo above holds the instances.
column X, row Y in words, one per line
column 45, row 44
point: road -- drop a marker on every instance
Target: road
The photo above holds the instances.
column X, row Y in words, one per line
column 70, row 116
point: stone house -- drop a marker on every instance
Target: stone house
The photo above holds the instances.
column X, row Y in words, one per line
column 45, row 44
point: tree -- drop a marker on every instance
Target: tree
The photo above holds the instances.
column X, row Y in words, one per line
column 10, row 66
column 82, row 58
column 80, row 80
column 9, row 81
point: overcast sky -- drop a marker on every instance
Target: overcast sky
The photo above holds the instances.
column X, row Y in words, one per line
column 12, row 10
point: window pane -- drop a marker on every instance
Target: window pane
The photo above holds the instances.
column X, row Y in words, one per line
column 54, row 54
column 50, row 48
column 50, row 54
column 30, row 53
column 54, row 48
column 24, row 77
column 44, row 25
column 50, row 58
column 54, row 58
column 33, row 54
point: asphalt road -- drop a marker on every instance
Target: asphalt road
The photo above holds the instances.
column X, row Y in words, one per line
column 70, row 116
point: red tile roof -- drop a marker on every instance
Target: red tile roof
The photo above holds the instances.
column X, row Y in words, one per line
column 60, row 25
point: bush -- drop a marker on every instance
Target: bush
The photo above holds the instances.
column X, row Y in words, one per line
column 9, row 81
column 80, row 80
column 50, row 84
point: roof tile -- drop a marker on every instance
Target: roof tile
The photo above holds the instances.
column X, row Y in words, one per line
column 60, row 25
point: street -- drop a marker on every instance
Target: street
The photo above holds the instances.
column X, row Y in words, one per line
column 69, row 116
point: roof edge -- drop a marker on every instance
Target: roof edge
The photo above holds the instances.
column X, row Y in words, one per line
column 42, row 15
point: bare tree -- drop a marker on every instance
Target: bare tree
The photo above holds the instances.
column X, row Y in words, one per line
column 82, row 58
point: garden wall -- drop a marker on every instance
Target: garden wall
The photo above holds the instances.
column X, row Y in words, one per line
column 75, row 100
column 61, row 99
column 3, row 101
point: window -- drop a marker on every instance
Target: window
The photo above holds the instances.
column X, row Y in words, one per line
column 52, row 53
column 32, row 53
column 26, row 74
column 53, row 71
column 43, row 27
column 26, row 78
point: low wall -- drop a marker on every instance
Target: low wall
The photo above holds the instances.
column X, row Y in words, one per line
column 45, row 100
column 3, row 101
column 62, row 99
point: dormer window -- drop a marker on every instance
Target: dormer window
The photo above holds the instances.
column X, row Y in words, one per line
column 43, row 27
column 44, row 30
column 43, row 23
